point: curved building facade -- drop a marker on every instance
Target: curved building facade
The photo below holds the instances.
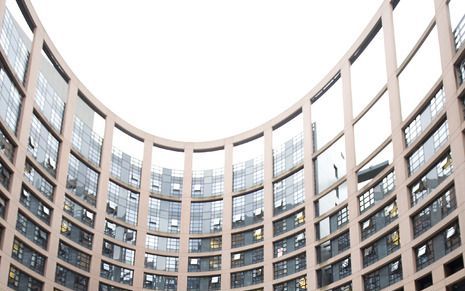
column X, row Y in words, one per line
column 360, row 185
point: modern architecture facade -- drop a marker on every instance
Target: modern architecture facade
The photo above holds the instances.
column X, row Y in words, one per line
column 366, row 191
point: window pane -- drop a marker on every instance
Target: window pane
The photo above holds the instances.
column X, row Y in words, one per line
column 372, row 129
column 326, row 126
column 421, row 73
column 330, row 165
column 407, row 32
column 368, row 72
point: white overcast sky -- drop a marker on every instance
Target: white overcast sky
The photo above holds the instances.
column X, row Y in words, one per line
column 202, row 70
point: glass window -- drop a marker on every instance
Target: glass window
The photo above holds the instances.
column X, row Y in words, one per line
column 379, row 220
column 247, row 278
column 6, row 146
column 368, row 70
column 88, row 132
column 375, row 166
column 332, row 223
column 374, row 126
column 19, row 280
column 457, row 21
column 289, row 244
column 122, row 203
column 166, row 179
column 51, row 94
column 247, row 237
column 247, row 257
column 330, row 165
column 247, row 209
column 290, row 266
column 298, row 284
column 120, row 233
column 82, row 180
column 289, row 192
column 126, row 158
column 167, row 158
column 334, row 272
column 35, row 205
column 422, row 71
column 71, row 279
column 381, row 248
column 38, row 181
column 326, row 126
column 116, row 273
column 118, row 253
column 208, row 173
column 162, row 243
column 423, row 119
column 161, row 263
column 248, row 164
column 208, row 244
column 206, row 217
column 32, row 231
column 331, row 200
column 15, row 39
column 204, row 264
column 431, row 180
column 77, row 234
column 406, row 32
column 434, row 212
column 204, row 283
column 288, row 145
column 160, row 282
column 377, row 192
column 5, row 175
column 428, row 148
column 208, row 183
column 164, row 215
column 10, row 101
column 333, row 247
column 73, row 256
column 43, row 146
column 288, row 223
column 28, row 256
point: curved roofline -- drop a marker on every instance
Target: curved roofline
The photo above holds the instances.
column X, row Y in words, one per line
column 201, row 145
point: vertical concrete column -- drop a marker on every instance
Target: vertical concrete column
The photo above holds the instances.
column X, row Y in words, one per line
column 268, row 209
column 185, row 218
column 227, row 215
column 62, row 171
column 22, row 134
column 142, row 215
column 309, row 185
column 400, row 168
column 105, row 163
column 351, row 176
